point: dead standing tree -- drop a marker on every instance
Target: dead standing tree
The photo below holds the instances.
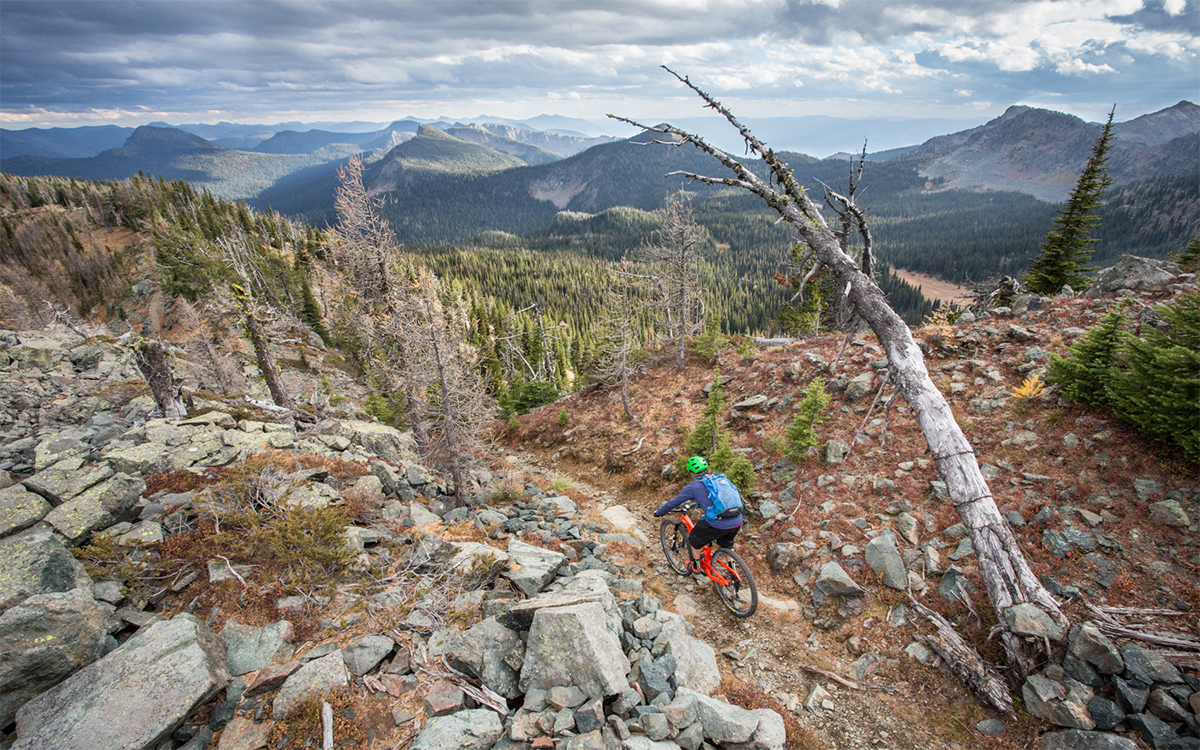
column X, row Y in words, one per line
column 676, row 259
column 238, row 257
column 455, row 406
column 619, row 341
column 364, row 251
column 1006, row 573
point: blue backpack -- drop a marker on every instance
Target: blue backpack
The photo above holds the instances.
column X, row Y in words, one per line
column 725, row 498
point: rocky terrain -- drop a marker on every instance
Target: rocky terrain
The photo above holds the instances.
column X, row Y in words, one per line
column 454, row 632
column 238, row 580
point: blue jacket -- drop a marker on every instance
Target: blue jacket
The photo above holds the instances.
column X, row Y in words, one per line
column 698, row 492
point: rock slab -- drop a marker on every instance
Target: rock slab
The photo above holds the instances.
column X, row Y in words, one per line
column 133, row 698
column 573, row 646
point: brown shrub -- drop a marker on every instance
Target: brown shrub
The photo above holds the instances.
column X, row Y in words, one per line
column 177, row 481
column 339, row 468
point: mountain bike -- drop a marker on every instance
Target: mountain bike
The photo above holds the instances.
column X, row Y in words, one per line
column 728, row 572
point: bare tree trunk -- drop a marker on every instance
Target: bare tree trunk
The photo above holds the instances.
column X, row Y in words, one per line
column 152, row 360
column 453, row 449
column 1006, row 573
column 262, row 353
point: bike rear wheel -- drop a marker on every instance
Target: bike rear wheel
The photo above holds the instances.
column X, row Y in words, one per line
column 738, row 593
column 674, row 538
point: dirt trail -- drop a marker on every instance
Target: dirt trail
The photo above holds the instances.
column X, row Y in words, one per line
column 926, row 710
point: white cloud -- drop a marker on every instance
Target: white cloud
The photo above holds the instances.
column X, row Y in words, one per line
column 1077, row 67
column 918, row 55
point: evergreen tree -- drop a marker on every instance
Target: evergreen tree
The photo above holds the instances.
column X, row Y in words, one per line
column 1083, row 375
column 1156, row 382
column 709, row 438
column 800, row 435
column 741, row 473
column 1067, row 249
column 1189, row 259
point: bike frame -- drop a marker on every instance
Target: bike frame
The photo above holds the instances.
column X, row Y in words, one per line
column 706, row 559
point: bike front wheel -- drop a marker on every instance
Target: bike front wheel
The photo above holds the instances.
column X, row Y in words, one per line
column 674, row 537
column 738, row 592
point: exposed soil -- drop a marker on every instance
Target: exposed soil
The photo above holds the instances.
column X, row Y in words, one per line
column 934, row 288
column 610, row 461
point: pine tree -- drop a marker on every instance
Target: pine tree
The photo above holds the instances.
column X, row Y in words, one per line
column 1189, row 259
column 1067, row 248
column 1083, row 375
column 800, row 435
column 741, row 473
column 1156, row 383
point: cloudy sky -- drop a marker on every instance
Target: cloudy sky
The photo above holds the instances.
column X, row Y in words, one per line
column 69, row 62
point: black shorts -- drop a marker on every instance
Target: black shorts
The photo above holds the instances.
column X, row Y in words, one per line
column 704, row 533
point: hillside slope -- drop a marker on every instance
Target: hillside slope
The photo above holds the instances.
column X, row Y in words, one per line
column 175, row 154
column 1041, row 152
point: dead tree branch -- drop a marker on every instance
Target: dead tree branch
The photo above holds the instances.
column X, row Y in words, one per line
column 966, row 663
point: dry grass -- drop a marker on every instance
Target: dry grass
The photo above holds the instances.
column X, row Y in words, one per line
column 177, row 481
column 338, row 468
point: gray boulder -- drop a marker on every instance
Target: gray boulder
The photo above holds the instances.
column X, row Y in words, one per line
column 1056, row 703
column 771, row 734
column 133, row 698
column 35, row 562
column 834, row 580
column 860, row 386
column 723, row 723
column 640, row 742
column 1169, row 512
column 492, row 653
column 1148, row 666
column 380, row 440
column 835, row 451
column 1134, row 273
column 44, row 640
column 144, row 458
column 580, row 590
column 884, row 558
column 572, row 646
column 20, row 509
column 315, row 679
column 249, row 648
column 66, row 479
column 695, row 660
column 530, row 568
column 98, row 508
column 476, row 729
column 363, row 655
column 476, row 558
column 1075, row 739
column 1029, row 619
column 1091, row 646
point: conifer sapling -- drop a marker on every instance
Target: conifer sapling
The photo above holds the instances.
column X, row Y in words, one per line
column 801, row 435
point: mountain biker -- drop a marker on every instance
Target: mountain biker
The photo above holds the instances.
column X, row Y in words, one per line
column 719, row 530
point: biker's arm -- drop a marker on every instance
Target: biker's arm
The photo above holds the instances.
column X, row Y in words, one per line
column 672, row 504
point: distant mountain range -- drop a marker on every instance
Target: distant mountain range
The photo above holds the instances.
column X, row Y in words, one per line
column 177, row 154
column 1041, row 153
column 985, row 189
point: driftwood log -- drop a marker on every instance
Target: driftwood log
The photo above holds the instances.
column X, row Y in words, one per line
column 1006, row 573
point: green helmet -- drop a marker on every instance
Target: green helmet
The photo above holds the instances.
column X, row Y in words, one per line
column 696, row 464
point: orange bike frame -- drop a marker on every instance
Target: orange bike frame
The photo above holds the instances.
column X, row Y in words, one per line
column 706, row 559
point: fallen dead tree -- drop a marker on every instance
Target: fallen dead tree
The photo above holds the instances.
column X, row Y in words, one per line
column 1006, row 574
